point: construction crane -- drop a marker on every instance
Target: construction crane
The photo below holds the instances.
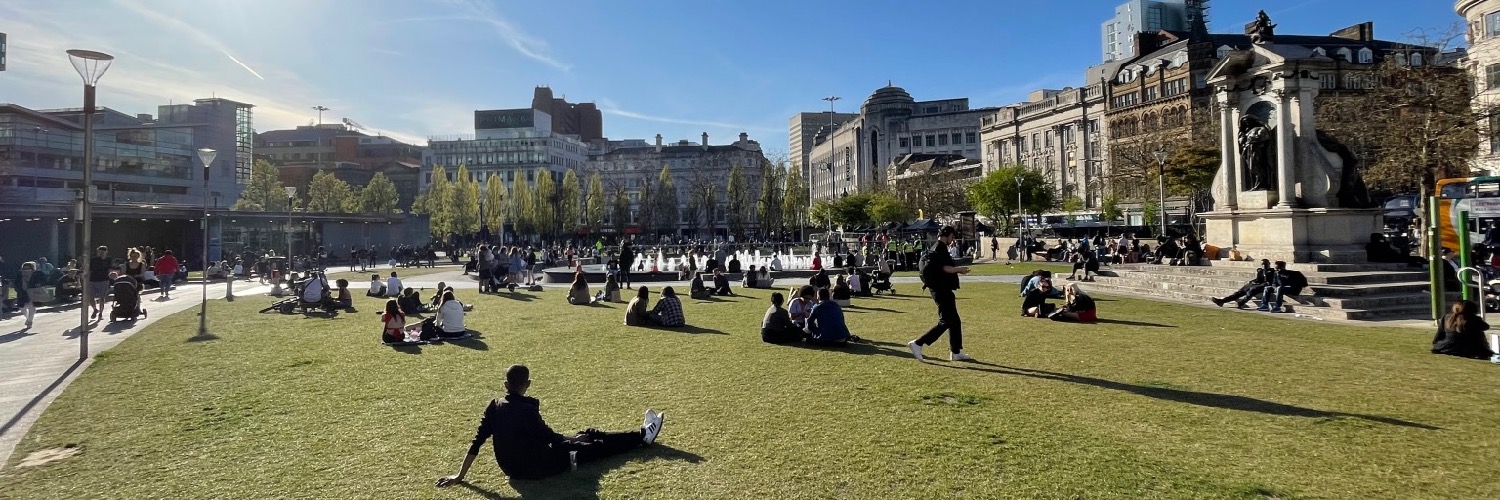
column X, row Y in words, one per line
column 353, row 124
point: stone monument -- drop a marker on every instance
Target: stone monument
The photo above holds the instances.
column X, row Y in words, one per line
column 1284, row 190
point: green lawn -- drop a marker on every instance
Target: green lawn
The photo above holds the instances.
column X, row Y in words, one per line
column 1165, row 401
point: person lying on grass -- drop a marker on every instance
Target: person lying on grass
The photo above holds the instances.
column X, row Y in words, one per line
column 526, row 448
column 668, row 310
column 1079, row 307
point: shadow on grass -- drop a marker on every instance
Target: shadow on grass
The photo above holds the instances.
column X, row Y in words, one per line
column 407, row 349
column 685, row 329
column 854, row 308
column 516, row 296
column 584, row 483
column 1208, row 399
column 39, row 397
column 1133, row 323
column 474, row 341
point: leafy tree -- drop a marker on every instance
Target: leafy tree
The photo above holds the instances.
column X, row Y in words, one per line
column 1072, row 205
column 264, row 192
column 737, row 202
column 886, row 207
column 546, row 203
column 1109, row 209
column 594, row 211
column 569, row 209
column 327, row 194
column 494, row 203
column 666, row 202
column 796, row 210
column 464, row 217
column 379, row 196
column 621, row 214
column 768, row 206
column 1150, row 213
column 994, row 196
column 524, row 205
column 439, row 203
column 645, row 211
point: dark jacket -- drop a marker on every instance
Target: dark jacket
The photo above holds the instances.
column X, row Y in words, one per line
column 1469, row 343
column 933, row 275
column 524, row 446
column 1294, row 281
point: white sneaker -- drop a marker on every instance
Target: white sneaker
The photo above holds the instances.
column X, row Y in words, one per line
column 573, row 460
column 958, row 356
column 916, row 349
column 651, row 427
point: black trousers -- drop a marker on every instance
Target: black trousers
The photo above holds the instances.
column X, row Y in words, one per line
column 948, row 321
column 781, row 335
column 1245, row 293
column 591, row 445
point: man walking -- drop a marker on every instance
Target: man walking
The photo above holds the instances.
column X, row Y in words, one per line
column 940, row 276
column 98, row 287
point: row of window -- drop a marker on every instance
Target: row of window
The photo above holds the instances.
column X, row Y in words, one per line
column 936, row 140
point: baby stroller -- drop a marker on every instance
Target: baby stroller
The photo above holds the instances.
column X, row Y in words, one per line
column 882, row 283
column 127, row 300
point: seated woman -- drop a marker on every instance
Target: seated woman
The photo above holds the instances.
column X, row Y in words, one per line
column 820, row 280
column 1461, row 333
column 1035, row 304
column 578, row 294
column 801, row 305
column 825, row 324
column 343, row 298
column 860, row 283
column 239, row 269
column 636, row 313
column 668, row 310
column 411, row 303
column 696, row 290
column 721, row 284
column 750, row 279
column 683, row 269
column 777, row 327
column 841, row 291
column 393, row 324
column 450, row 317
column 377, row 287
column 1079, row 307
column 611, row 292
column 817, row 262
column 437, row 295
column 765, row 280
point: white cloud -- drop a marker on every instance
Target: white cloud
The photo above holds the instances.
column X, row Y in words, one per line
column 523, row 43
column 609, row 107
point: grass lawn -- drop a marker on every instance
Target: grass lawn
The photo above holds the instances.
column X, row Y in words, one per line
column 1161, row 401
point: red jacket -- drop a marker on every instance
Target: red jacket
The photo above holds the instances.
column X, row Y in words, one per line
column 167, row 264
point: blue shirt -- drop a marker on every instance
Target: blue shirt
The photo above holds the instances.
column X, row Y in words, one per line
column 826, row 322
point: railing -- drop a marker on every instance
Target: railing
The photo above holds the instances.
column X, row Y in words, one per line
column 54, row 196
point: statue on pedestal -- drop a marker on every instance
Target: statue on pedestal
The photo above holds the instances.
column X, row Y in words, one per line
column 1261, row 31
column 1256, row 155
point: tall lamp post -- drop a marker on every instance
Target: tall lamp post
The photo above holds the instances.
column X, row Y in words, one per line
column 1161, row 187
column 205, row 155
column 291, row 195
column 91, row 66
column 1020, row 213
column 833, row 180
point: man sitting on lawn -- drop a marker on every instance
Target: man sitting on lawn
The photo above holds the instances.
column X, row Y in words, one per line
column 526, row 448
column 825, row 324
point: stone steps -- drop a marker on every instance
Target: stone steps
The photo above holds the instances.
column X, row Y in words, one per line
column 1247, row 273
column 1398, row 306
column 1230, row 284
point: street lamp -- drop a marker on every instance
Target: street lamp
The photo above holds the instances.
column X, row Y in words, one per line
column 1161, row 186
column 91, row 66
column 291, row 194
column 205, row 155
column 1020, row 215
column 832, row 178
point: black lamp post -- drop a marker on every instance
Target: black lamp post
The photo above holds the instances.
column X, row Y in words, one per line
column 91, row 66
column 205, row 155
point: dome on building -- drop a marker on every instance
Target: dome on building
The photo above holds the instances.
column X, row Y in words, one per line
column 888, row 97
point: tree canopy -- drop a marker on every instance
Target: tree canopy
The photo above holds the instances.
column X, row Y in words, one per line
column 264, row 192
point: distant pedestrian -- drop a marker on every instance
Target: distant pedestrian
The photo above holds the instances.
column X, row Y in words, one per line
column 940, row 275
column 166, row 269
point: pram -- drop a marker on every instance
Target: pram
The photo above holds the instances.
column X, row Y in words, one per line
column 127, row 300
column 882, row 283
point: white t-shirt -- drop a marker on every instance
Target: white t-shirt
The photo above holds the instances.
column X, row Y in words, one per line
column 450, row 316
column 375, row 286
column 392, row 286
column 312, row 291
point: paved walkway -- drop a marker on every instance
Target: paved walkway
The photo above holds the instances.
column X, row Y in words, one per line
column 36, row 364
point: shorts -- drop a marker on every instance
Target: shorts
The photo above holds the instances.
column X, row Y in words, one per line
column 98, row 289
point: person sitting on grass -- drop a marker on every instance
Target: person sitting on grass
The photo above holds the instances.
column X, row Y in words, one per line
column 764, row 279
column 820, row 280
column 315, row 289
column 668, row 310
column 450, row 317
column 411, row 303
column 721, row 283
column 751, row 279
column 393, row 285
column 578, row 294
column 696, row 290
column 1079, row 307
column 377, row 287
column 636, row 313
column 611, row 292
column 1035, row 304
column 801, row 305
column 777, row 327
column 842, row 294
column 1461, row 333
column 859, row 283
column 825, row 324
column 437, row 295
column 394, row 323
column 344, row 299
column 526, row 448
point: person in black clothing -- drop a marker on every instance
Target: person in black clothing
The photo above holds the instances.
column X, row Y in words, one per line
column 721, row 284
column 1461, row 333
column 777, row 327
column 97, row 291
column 819, row 280
column 627, row 259
column 940, row 276
column 1282, row 284
column 1251, row 288
column 526, row 448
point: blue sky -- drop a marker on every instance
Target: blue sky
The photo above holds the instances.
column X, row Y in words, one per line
column 418, row 68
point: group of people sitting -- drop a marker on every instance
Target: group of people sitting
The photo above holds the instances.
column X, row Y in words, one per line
column 1077, row 306
column 446, row 324
column 1270, row 285
column 666, row 313
column 813, row 317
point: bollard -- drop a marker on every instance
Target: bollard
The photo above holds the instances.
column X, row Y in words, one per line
column 229, row 289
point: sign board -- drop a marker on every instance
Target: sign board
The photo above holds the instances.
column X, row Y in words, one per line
column 2, row 51
column 504, row 118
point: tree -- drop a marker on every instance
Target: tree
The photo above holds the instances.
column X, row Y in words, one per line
column 1109, row 209
column 736, row 204
column 594, row 211
column 621, row 213
column 848, row 211
column 666, row 202
column 568, row 198
column 379, row 196
column 464, row 215
column 768, row 206
column 546, row 203
column 264, row 192
column 327, row 194
column 1150, row 213
column 524, row 205
column 1072, row 205
column 645, row 211
column 886, row 207
column 494, row 203
column 995, row 195
column 795, row 208
column 439, row 203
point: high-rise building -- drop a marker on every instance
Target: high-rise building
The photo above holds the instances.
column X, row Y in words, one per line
column 583, row 119
column 1141, row 16
column 805, row 127
column 509, row 143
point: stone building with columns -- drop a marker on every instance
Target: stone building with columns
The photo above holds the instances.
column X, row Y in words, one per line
column 1483, row 62
column 1056, row 132
column 699, row 172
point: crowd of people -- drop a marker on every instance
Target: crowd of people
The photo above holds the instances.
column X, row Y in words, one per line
column 1183, row 250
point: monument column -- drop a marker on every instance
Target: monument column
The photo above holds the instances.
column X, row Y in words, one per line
column 1228, row 120
column 1285, row 154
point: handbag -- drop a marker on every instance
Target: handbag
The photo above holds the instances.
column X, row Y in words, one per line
column 40, row 294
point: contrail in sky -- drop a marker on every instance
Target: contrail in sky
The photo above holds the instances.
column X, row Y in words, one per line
column 242, row 65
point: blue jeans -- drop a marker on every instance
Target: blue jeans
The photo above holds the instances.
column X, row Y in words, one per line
column 166, row 283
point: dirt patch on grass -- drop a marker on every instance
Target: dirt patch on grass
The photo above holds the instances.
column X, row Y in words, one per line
column 49, row 455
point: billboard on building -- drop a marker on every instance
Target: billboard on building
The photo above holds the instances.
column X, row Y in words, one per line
column 504, row 118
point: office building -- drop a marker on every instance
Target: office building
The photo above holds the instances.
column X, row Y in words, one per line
column 804, row 129
column 1483, row 62
column 1143, row 16
column 1055, row 132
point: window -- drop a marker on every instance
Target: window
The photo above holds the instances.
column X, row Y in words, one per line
column 1328, row 81
column 1150, row 93
column 957, row 138
column 1036, row 142
column 931, row 141
column 1492, row 24
column 942, row 139
column 1416, row 59
column 1224, row 51
column 905, row 143
column 1320, row 52
column 1492, row 76
column 970, row 138
column 1366, row 56
column 1346, row 54
column 1047, row 138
